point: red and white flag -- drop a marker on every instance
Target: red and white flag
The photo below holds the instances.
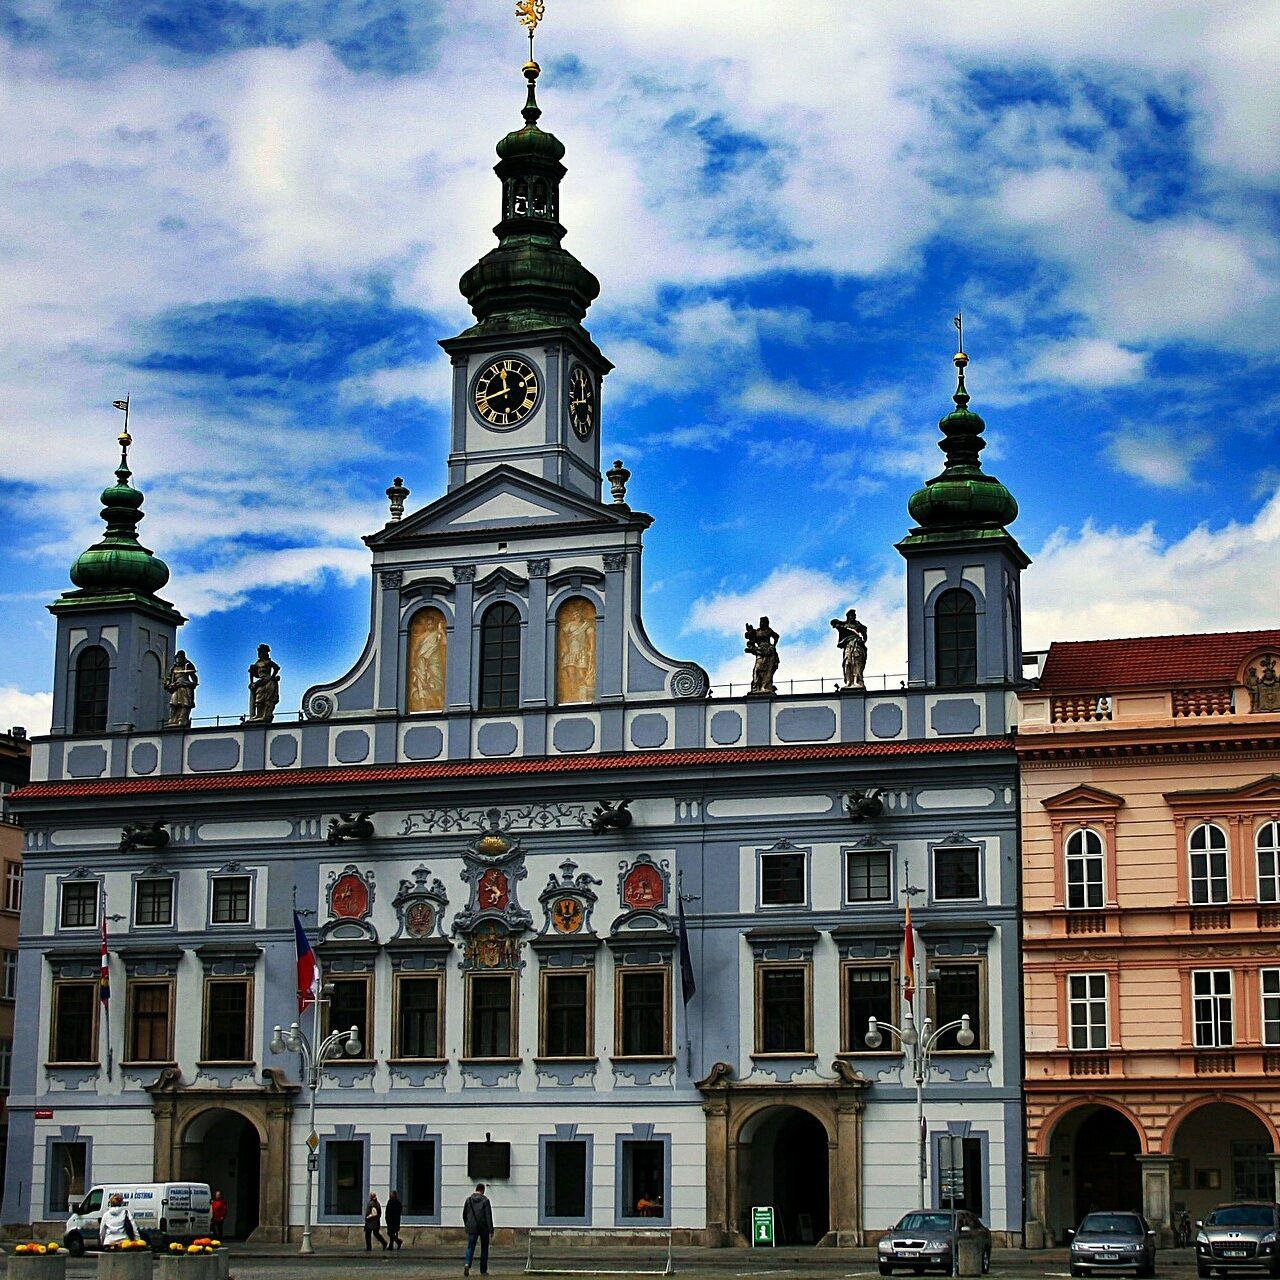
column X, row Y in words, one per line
column 911, row 947
column 104, row 973
column 308, row 968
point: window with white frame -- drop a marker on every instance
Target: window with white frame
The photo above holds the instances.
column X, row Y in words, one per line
column 230, row 899
column 1087, row 1010
column 957, row 873
column 868, row 875
column 79, row 907
column 782, row 879
column 1212, row 1008
column 8, row 975
column 1085, row 870
column 6, row 1062
column 1208, row 849
column 153, row 902
column 1267, row 846
column 1270, row 1006
column 12, row 886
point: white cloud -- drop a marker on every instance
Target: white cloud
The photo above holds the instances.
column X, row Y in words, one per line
column 1088, row 362
column 30, row 711
column 1157, row 456
column 255, row 575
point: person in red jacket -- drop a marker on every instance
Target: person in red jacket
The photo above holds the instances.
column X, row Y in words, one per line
column 218, row 1215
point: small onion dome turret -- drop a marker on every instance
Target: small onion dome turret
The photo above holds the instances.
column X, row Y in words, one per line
column 120, row 562
column 963, row 496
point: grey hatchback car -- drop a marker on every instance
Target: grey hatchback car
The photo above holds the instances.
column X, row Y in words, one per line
column 926, row 1241
column 1113, row 1242
column 1240, row 1236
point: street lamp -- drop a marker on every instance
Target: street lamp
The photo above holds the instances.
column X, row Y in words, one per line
column 920, row 1046
column 295, row 1040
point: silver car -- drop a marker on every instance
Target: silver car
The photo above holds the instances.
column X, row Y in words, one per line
column 1240, row 1236
column 1113, row 1242
column 926, row 1241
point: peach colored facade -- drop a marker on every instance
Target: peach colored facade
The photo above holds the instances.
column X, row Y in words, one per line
column 1151, row 932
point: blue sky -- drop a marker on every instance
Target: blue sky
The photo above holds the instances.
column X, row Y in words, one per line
column 252, row 217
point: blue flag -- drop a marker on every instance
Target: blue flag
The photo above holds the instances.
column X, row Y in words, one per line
column 688, row 987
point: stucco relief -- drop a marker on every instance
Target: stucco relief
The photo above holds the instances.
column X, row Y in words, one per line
column 576, row 651
column 428, row 645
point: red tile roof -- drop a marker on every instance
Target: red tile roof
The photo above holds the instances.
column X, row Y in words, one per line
column 1191, row 661
column 363, row 775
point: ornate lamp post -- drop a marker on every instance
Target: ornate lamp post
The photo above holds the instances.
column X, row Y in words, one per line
column 919, row 1046
column 313, row 1058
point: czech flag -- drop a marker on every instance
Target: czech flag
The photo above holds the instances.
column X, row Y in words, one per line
column 910, row 949
column 308, row 969
column 104, row 974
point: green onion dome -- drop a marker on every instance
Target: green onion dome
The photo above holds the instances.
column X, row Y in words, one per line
column 120, row 562
column 963, row 496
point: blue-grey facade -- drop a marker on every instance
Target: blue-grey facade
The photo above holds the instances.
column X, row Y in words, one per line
column 502, row 928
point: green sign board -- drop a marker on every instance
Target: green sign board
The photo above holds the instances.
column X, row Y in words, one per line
column 761, row 1224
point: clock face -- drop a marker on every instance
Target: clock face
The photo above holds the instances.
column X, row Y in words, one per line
column 506, row 391
column 582, row 402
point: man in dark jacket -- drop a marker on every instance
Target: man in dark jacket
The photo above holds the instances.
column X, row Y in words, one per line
column 391, row 1216
column 477, row 1217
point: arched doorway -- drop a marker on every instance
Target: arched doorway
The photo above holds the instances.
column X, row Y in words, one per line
column 1221, row 1151
column 223, row 1149
column 1093, row 1164
column 784, row 1163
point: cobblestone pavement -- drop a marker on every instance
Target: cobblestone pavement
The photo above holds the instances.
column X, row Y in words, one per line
column 714, row 1264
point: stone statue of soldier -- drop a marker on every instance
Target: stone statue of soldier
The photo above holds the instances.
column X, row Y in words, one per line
column 851, row 637
column 181, row 684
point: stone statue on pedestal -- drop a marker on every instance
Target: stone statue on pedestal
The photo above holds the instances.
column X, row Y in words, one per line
column 762, row 642
column 264, row 687
column 851, row 636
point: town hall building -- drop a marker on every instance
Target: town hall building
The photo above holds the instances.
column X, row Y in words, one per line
column 609, row 941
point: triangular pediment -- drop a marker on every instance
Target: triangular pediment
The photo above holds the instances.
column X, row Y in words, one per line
column 506, row 500
column 1083, row 797
column 1265, row 789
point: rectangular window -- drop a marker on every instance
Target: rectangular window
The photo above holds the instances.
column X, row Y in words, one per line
column 1251, row 1176
column 150, row 1022
column 79, row 904
column 1086, row 889
column 153, row 902
column 1212, row 1008
column 416, row 1178
column 65, row 1176
column 13, row 886
column 1209, row 877
column 960, row 1173
column 6, row 1063
column 782, row 1008
column 1270, row 1006
column 643, row 1177
column 1087, row 1010
column 227, row 1004
column 782, row 879
column 75, row 1022
column 8, row 975
column 418, row 1010
column 868, row 993
column 231, row 899
column 343, row 1179
column 491, row 1022
column 957, row 990
column 566, row 1014
column 643, row 1005
column 349, row 1007
column 956, row 873
column 564, row 1181
column 867, row 875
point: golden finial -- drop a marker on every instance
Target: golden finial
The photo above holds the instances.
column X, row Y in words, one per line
column 530, row 13
column 961, row 359
column 124, row 438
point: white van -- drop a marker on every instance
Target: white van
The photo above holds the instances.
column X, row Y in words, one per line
column 161, row 1211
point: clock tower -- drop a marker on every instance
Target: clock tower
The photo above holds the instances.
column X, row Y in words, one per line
column 527, row 376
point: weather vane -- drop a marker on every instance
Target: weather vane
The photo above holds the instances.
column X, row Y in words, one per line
column 530, row 13
column 959, row 324
column 125, row 438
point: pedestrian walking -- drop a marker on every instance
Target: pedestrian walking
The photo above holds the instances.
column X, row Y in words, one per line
column 115, row 1224
column 477, row 1217
column 373, row 1223
column 218, row 1215
column 392, row 1216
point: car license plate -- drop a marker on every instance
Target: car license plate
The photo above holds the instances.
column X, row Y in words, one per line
column 1234, row 1253
column 1107, row 1257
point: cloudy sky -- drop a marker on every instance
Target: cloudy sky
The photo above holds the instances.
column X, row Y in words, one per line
column 251, row 216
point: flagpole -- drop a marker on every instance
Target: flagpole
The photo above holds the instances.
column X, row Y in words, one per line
column 104, row 987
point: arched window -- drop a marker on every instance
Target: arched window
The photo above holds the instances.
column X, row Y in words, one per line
column 500, row 658
column 1267, row 844
column 93, row 680
column 1085, row 882
column 428, row 648
column 1208, row 848
column 576, row 651
column 955, row 632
